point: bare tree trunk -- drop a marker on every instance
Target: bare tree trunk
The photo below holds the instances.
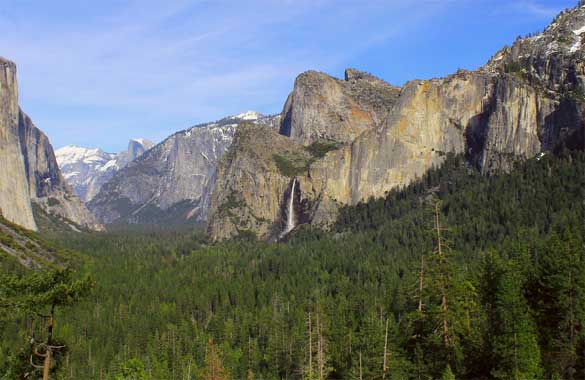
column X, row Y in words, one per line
column 48, row 353
column 421, row 283
column 361, row 377
column 310, row 347
column 47, row 364
column 442, row 284
column 320, row 361
column 385, row 365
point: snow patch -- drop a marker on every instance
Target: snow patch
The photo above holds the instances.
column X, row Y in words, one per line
column 144, row 142
column 248, row 115
column 579, row 31
column 576, row 46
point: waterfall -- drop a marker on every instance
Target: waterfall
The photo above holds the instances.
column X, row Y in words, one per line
column 290, row 217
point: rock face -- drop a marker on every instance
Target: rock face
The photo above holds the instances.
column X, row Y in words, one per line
column 14, row 193
column 172, row 182
column 529, row 98
column 47, row 187
column 248, row 177
column 87, row 169
column 323, row 108
column 32, row 173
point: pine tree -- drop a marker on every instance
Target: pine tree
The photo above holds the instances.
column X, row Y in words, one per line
column 513, row 339
column 37, row 296
column 560, row 307
column 213, row 369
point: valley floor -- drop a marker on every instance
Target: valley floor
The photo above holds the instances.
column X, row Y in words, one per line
column 372, row 299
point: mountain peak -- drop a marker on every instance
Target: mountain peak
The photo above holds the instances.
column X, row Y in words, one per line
column 142, row 141
column 87, row 169
column 248, row 115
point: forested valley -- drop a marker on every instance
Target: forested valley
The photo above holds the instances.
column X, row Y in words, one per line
column 457, row 276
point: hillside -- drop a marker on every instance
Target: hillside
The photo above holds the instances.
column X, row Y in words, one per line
column 164, row 294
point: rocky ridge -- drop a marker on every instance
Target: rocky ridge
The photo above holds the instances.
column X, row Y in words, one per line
column 87, row 169
column 172, row 182
column 526, row 100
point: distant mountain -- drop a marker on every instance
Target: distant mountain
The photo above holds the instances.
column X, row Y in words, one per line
column 29, row 174
column 172, row 182
column 87, row 169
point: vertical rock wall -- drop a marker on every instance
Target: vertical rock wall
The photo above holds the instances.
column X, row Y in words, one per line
column 14, row 190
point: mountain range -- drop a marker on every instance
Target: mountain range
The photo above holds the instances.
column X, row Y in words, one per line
column 173, row 181
column 87, row 169
column 336, row 142
column 527, row 100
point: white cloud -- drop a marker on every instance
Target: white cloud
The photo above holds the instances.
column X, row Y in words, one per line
column 185, row 61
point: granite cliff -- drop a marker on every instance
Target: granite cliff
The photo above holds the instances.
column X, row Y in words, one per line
column 527, row 100
column 172, row 182
column 14, row 194
column 30, row 173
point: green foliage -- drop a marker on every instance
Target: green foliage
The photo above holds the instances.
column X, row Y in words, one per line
column 132, row 369
column 38, row 291
column 291, row 166
column 514, row 278
column 512, row 67
column 35, row 297
column 563, row 40
column 448, row 374
column 232, row 202
column 319, row 149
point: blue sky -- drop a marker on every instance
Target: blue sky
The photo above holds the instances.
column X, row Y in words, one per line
column 96, row 73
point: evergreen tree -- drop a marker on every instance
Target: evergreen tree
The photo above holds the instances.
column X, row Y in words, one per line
column 514, row 342
column 214, row 369
column 132, row 369
column 558, row 298
column 37, row 297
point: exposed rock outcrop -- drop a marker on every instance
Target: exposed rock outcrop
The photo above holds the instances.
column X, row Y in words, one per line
column 526, row 100
column 29, row 168
column 14, row 192
column 325, row 108
column 47, row 187
column 172, row 182
column 251, row 179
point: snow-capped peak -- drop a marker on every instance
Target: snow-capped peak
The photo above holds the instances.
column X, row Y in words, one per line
column 71, row 154
column 87, row 169
column 248, row 115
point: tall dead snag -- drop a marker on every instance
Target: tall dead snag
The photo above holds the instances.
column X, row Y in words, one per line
column 421, row 283
column 317, row 345
column 385, row 360
column 443, row 276
column 323, row 370
column 361, row 373
column 310, row 347
column 308, row 372
column 320, row 349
